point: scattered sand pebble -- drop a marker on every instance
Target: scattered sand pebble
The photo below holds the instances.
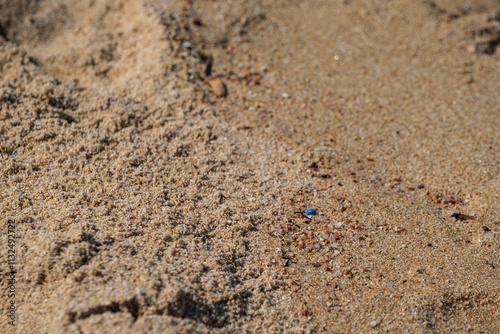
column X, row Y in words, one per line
column 218, row 87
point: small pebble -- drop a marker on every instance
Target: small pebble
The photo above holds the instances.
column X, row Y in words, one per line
column 218, row 87
column 374, row 323
column 485, row 48
column 310, row 212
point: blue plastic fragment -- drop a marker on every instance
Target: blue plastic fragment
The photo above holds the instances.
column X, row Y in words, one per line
column 309, row 211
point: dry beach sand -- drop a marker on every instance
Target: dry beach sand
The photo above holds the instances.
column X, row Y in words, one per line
column 144, row 203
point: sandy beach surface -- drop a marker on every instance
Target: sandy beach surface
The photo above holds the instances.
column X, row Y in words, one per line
column 149, row 193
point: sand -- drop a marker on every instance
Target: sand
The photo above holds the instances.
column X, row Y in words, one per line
column 144, row 203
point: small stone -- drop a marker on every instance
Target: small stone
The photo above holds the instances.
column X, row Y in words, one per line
column 489, row 236
column 186, row 45
column 486, row 228
column 310, row 212
column 373, row 323
column 485, row 48
column 218, row 87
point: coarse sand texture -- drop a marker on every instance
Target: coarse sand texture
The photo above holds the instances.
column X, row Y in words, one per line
column 258, row 166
